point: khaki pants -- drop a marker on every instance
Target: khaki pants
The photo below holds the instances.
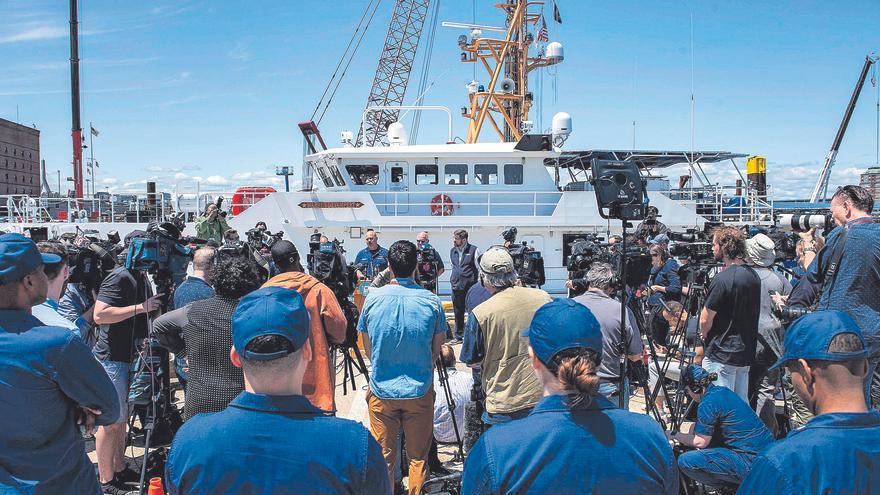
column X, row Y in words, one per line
column 417, row 418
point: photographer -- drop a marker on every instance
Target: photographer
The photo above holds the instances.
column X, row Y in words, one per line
column 427, row 276
column 607, row 311
column 464, row 258
column 727, row 434
column 49, row 383
column 729, row 319
column 57, row 273
column 761, row 255
column 211, row 225
column 839, row 450
column 665, row 286
column 854, row 282
column 201, row 331
column 574, row 441
column 651, row 227
column 121, row 310
column 327, row 326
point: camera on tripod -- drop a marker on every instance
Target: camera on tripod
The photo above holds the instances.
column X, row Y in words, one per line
column 528, row 263
column 90, row 259
column 426, row 266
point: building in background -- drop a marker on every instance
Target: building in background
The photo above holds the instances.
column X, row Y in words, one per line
column 19, row 159
column 871, row 181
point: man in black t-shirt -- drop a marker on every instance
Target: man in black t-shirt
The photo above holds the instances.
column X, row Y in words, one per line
column 729, row 319
column 121, row 315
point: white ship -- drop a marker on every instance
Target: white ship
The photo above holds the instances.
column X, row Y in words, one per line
column 380, row 181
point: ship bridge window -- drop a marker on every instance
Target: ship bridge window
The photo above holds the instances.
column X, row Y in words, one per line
column 426, row 174
column 397, row 175
column 486, row 174
column 456, row 174
column 337, row 177
column 363, row 175
column 513, row 173
column 325, row 177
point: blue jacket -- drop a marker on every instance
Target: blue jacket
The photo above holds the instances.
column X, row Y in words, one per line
column 371, row 262
column 190, row 290
column 278, row 444
column 667, row 276
column 835, row 453
column 593, row 449
column 46, row 374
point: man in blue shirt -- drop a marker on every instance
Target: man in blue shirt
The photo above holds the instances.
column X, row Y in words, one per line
column 49, row 382
column 271, row 439
column 574, row 441
column 855, row 286
column 403, row 327
column 372, row 259
column 196, row 287
column 728, row 434
column 838, row 451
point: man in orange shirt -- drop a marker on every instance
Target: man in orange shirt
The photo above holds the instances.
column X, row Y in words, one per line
column 327, row 324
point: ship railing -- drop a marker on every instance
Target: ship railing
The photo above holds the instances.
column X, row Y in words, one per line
column 112, row 208
column 476, row 203
column 727, row 204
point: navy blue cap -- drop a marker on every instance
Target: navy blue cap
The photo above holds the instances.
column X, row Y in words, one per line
column 693, row 373
column 563, row 324
column 810, row 335
column 270, row 311
column 19, row 256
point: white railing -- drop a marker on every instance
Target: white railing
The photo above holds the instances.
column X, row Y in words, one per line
column 728, row 204
column 446, row 203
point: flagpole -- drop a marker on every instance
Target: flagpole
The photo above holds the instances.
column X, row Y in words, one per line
column 92, row 156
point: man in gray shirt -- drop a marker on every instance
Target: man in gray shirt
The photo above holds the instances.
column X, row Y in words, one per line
column 760, row 255
column 607, row 311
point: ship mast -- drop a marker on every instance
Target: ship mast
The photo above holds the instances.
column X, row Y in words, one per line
column 505, row 102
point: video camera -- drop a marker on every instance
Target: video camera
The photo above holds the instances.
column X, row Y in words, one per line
column 161, row 252
column 528, row 263
column 325, row 262
column 584, row 251
column 259, row 238
column 90, row 259
column 694, row 245
column 426, row 266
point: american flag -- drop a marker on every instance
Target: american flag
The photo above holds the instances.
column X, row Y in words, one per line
column 542, row 33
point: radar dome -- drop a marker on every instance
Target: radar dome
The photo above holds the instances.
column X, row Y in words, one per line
column 397, row 134
column 555, row 54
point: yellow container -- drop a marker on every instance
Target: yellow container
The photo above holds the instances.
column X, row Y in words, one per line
column 756, row 165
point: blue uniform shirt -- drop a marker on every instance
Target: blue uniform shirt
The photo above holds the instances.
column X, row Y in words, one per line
column 730, row 422
column 401, row 320
column 279, row 444
column 46, row 373
column 835, row 453
column 373, row 261
column 594, row 449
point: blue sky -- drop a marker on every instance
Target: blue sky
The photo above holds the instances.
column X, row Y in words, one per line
column 211, row 91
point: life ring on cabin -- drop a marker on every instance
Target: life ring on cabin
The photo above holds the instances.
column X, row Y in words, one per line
column 441, row 206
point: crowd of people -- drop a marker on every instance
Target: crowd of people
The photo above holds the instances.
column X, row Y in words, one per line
column 544, row 407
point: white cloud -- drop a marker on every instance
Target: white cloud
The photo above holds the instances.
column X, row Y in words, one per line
column 109, row 181
column 216, row 180
column 37, row 33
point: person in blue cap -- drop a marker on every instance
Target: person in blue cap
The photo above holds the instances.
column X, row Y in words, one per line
column 728, row 435
column 838, row 451
column 271, row 439
column 574, row 441
column 49, row 383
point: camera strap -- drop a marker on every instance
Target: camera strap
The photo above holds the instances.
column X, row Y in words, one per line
column 833, row 265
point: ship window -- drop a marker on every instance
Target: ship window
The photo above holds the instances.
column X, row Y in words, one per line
column 426, row 174
column 397, row 175
column 325, row 178
column 456, row 174
column 486, row 174
column 337, row 177
column 363, row 175
column 513, row 173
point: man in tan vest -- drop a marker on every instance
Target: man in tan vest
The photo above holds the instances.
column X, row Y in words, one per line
column 495, row 342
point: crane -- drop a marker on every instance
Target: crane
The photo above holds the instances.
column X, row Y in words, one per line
column 820, row 190
column 395, row 66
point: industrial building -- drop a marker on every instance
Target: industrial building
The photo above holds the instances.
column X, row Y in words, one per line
column 19, row 159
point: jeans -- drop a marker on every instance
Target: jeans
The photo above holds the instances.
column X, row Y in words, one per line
column 609, row 390
column 490, row 419
column 718, row 467
column 120, row 374
column 735, row 378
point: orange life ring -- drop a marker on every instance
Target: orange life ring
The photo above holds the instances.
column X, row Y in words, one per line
column 441, row 206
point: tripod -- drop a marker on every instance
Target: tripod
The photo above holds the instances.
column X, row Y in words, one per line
column 349, row 364
column 443, row 374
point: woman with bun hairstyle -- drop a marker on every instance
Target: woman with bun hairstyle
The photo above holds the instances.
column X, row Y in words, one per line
column 575, row 440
